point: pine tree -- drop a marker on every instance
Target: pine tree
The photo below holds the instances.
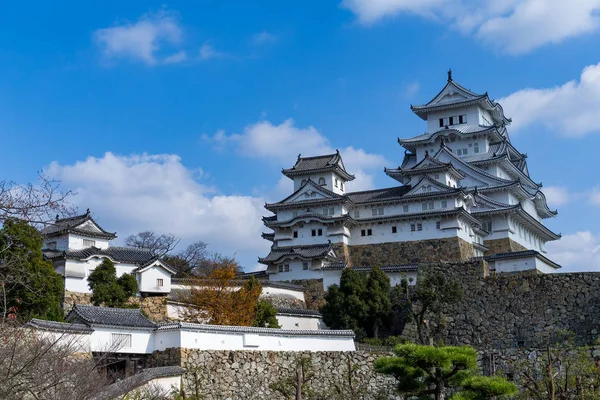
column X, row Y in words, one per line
column 345, row 306
column 429, row 372
column 377, row 299
column 266, row 315
column 109, row 290
column 29, row 287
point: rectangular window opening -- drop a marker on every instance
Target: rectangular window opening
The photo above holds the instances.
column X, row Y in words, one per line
column 362, row 232
column 89, row 243
column 369, row 232
column 412, row 227
column 320, row 232
column 394, row 229
column 295, row 234
column 305, row 266
column 121, row 340
column 419, row 227
column 159, row 282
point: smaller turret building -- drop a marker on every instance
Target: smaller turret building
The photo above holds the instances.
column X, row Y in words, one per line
column 464, row 192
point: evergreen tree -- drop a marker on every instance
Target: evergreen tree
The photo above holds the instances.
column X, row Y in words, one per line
column 109, row 290
column 29, row 287
column 345, row 306
column 377, row 299
column 266, row 315
column 429, row 372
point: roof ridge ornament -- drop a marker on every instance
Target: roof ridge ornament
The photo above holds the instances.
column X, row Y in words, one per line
column 450, row 75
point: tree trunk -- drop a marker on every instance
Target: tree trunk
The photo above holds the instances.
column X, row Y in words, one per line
column 376, row 329
column 440, row 391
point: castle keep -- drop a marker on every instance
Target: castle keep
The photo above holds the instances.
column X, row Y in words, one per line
column 463, row 191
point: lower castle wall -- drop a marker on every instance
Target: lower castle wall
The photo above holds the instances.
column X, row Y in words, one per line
column 451, row 249
column 249, row 374
column 504, row 245
column 154, row 307
column 515, row 310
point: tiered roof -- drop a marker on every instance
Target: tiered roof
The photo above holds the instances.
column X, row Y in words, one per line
column 305, row 252
column 325, row 163
column 454, row 95
column 107, row 316
column 80, row 224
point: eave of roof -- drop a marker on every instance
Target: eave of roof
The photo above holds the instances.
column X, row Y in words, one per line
column 245, row 329
column 522, row 254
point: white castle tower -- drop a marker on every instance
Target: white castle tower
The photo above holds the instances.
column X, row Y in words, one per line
column 464, row 191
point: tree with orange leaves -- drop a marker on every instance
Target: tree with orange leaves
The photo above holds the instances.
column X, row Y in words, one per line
column 219, row 299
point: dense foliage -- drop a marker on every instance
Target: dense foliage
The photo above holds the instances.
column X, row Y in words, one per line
column 218, row 299
column 430, row 372
column 265, row 315
column 29, row 287
column 361, row 302
column 109, row 290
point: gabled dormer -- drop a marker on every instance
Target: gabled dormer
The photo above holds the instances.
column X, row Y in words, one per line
column 76, row 233
column 457, row 106
column 307, row 195
column 327, row 171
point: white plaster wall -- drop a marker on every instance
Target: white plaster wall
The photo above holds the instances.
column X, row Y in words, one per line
column 167, row 339
column 522, row 264
column 297, row 322
column 76, row 242
column 329, row 181
column 77, row 272
column 296, row 272
column 271, row 291
column 78, row 343
column 268, row 341
column 147, row 280
column 433, row 119
column 383, row 233
column 142, row 341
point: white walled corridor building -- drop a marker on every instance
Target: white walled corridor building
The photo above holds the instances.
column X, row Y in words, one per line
column 463, row 191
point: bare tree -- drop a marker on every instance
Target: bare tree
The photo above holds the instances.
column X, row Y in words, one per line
column 37, row 203
column 159, row 245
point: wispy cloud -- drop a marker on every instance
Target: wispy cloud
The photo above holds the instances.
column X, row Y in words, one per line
column 178, row 57
column 570, row 109
column 510, row 26
column 263, row 38
column 141, row 40
column 207, row 52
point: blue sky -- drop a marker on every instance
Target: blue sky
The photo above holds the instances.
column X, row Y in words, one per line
column 178, row 117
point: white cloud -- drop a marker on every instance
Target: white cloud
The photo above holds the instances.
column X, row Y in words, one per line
column 576, row 252
column 511, row 26
column 570, row 109
column 180, row 56
column 282, row 143
column 207, row 51
column 595, row 196
column 263, row 38
column 157, row 192
column 557, row 195
column 140, row 41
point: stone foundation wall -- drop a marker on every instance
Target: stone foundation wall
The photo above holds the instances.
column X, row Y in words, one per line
column 448, row 249
column 250, row 374
column 519, row 310
column 155, row 308
column 505, row 245
column 342, row 251
column 314, row 294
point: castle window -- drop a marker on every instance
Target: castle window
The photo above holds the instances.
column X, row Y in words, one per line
column 476, row 147
column 336, row 182
column 89, row 243
column 412, row 227
column 427, row 206
column 121, row 340
column 363, row 232
column 286, row 268
column 445, row 203
column 419, row 227
column 321, row 181
column 394, row 229
column 313, row 232
column 369, row 232
column 159, row 282
column 320, row 232
column 441, row 122
column 295, row 234
column 438, row 225
column 377, row 211
column 487, row 226
column 304, row 266
column 405, row 208
column 451, row 120
column 328, row 211
column 51, row 245
column 462, row 119
column 356, row 214
column 280, row 268
column 342, row 185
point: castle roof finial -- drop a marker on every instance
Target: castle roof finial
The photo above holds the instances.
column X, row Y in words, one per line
column 450, row 75
column 87, row 212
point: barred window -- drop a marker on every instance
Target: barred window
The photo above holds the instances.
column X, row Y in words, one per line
column 89, row 243
column 121, row 340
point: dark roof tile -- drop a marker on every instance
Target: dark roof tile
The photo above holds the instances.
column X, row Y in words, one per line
column 126, row 317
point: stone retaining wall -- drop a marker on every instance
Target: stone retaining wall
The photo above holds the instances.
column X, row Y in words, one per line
column 314, row 294
column 505, row 245
column 452, row 249
column 519, row 310
column 251, row 374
